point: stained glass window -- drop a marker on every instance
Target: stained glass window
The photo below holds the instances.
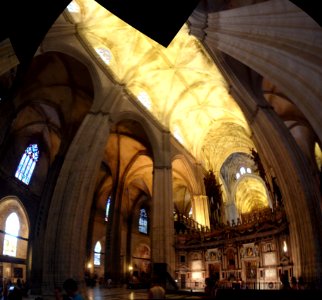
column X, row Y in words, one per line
column 97, row 254
column 27, row 163
column 107, row 210
column 143, row 221
column 11, row 232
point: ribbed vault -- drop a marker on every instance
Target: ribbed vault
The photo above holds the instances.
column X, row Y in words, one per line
column 250, row 195
column 180, row 84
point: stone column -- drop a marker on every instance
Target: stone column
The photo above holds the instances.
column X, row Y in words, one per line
column 200, row 208
column 301, row 195
column 66, row 234
column 231, row 212
column 276, row 39
column 162, row 233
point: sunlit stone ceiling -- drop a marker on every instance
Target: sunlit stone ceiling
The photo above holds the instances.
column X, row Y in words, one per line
column 180, row 84
column 251, row 195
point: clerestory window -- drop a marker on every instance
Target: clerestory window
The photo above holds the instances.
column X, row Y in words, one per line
column 107, row 210
column 27, row 163
column 143, row 221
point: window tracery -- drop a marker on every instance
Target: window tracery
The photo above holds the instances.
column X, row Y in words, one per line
column 143, row 221
column 27, row 163
column 97, row 254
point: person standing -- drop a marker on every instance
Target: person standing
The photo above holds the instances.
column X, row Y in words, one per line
column 156, row 291
column 71, row 288
column 109, row 283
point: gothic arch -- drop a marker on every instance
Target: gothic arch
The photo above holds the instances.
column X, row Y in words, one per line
column 13, row 204
column 251, row 194
column 182, row 166
column 73, row 50
column 152, row 130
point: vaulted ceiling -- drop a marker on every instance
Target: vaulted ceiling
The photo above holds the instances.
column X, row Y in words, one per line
column 180, row 84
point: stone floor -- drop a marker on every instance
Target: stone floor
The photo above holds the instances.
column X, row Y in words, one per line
column 118, row 293
column 124, row 293
column 115, row 294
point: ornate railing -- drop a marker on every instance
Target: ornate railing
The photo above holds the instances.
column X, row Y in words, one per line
column 184, row 224
column 262, row 220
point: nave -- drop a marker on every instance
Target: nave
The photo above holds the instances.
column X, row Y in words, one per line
column 119, row 157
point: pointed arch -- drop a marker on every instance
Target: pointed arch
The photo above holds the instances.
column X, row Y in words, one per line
column 14, row 228
column 250, row 192
column 182, row 167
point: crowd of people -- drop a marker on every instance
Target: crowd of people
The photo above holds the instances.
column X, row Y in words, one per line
column 295, row 284
column 10, row 290
column 19, row 289
column 70, row 291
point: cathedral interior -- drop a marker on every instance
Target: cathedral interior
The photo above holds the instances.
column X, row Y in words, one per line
column 122, row 157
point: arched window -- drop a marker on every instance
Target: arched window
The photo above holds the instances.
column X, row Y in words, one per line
column 107, row 210
column 105, row 54
column 143, row 221
column 144, row 98
column 97, row 254
column 177, row 134
column 27, row 163
column 73, row 7
column 11, row 233
column 243, row 171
